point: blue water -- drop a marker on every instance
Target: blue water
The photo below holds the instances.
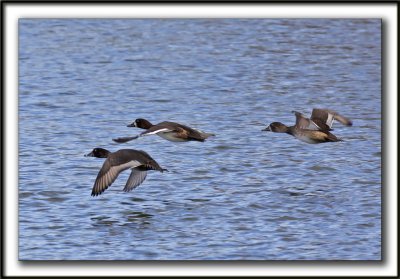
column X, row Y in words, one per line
column 242, row 195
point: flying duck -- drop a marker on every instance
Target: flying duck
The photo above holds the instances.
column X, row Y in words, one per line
column 168, row 130
column 314, row 130
column 116, row 162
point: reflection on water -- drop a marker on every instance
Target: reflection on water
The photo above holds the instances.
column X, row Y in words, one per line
column 102, row 221
column 244, row 194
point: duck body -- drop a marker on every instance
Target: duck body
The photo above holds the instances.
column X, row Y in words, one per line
column 312, row 130
column 116, row 162
column 305, row 135
column 171, row 131
column 313, row 136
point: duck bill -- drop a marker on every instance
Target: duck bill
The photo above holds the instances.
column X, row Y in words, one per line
column 266, row 129
column 133, row 124
column 90, row 154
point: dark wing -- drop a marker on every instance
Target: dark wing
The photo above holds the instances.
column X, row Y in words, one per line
column 108, row 173
column 303, row 122
column 328, row 116
column 156, row 129
column 187, row 131
column 139, row 173
column 161, row 127
column 125, row 139
column 135, row 179
column 148, row 163
column 151, row 131
column 323, row 117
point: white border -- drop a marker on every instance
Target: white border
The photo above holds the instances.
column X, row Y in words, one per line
column 15, row 11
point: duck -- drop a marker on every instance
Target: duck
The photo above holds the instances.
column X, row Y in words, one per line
column 116, row 162
column 311, row 130
column 171, row 131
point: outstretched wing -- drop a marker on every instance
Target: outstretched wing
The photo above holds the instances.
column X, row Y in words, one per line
column 108, row 173
column 188, row 132
column 135, row 179
column 303, row 122
column 148, row 132
column 125, row 139
column 328, row 116
column 155, row 130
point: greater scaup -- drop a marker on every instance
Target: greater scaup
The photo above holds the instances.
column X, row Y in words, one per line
column 139, row 161
column 314, row 130
column 168, row 130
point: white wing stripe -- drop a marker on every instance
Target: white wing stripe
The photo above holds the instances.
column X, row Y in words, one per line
column 130, row 164
column 330, row 119
column 109, row 177
column 313, row 126
column 164, row 130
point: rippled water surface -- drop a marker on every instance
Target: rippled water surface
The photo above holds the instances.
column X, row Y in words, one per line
column 244, row 194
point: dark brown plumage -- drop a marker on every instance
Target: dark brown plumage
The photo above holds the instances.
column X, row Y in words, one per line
column 311, row 130
column 168, row 130
column 139, row 161
column 321, row 119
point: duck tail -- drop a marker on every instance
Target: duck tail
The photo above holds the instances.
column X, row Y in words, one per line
column 334, row 138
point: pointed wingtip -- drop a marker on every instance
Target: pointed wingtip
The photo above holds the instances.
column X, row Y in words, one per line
column 120, row 140
column 124, row 139
column 95, row 194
